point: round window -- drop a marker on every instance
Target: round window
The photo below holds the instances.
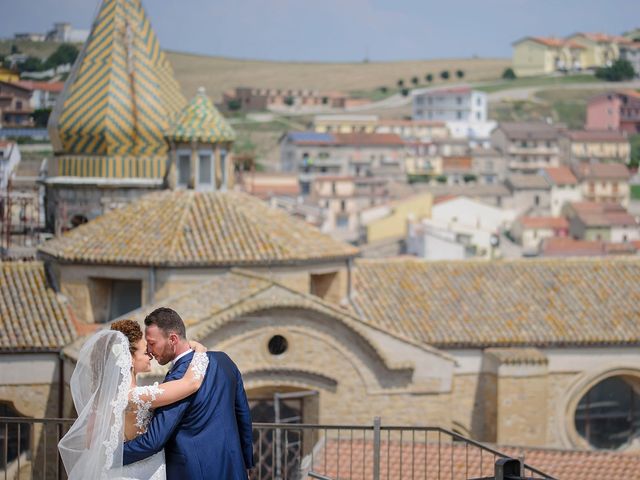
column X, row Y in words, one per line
column 608, row 415
column 278, row 345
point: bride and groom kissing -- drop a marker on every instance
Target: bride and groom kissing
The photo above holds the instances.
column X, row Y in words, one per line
column 194, row 425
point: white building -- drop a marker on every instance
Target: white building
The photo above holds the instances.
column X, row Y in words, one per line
column 464, row 110
column 463, row 221
column 564, row 188
column 9, row 160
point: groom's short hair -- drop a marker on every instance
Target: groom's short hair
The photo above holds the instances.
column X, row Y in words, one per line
column 166, row 320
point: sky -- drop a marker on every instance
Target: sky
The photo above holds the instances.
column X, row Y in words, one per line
column 342, row 30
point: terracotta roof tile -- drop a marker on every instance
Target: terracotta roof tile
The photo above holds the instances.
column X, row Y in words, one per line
column 596, row 136
column 544, row 222
column 184, row 228
column 399, row 460
column 561, row 175
column 528, row 302
column 32, row 315
column 597, row 171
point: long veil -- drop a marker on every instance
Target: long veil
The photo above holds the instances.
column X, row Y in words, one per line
column 100, row 387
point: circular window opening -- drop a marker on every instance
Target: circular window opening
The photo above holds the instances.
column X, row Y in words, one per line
column 608, row 415
column 278, row 345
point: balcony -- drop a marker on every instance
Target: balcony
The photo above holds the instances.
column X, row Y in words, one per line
column 292, row 451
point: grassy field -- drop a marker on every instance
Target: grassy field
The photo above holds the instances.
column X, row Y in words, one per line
column 218, row 74
column 537, row 81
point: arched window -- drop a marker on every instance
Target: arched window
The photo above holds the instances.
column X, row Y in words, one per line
column 608, row 415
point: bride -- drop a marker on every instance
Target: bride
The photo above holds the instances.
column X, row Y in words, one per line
column 113, row 409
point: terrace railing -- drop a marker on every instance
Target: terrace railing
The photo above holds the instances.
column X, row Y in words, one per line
column 28, row 449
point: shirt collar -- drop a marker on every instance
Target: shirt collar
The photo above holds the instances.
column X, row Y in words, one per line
column 175, row 360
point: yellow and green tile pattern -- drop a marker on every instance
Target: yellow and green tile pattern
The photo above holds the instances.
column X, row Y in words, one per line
column 121, row 101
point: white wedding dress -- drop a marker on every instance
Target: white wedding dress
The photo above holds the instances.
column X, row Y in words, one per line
column 101, row 390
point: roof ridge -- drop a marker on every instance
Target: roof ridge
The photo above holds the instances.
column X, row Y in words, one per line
column 174, row 247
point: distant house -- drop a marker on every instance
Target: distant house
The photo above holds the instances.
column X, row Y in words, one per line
column 356, row 154
column 609, row 222
column 8, row 75
column 463, row 109
column 458, row 228
column 531, row 231
column 614, row 111
column 265, row 185
column 414, row 130
column 594, row 145
column 43, row 94
column 248, row 99
column 545, row 55
column 489, row 165
column 600, row 49
column 343, row 198
column 529, row 193
column 15, row 107
column 528, row 146
column 564, row 188
column 569, row 247
column 604, row 182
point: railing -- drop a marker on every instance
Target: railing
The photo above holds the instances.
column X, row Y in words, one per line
column 292, row 452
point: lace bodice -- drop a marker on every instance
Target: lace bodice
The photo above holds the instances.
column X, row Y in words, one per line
column 141, row 398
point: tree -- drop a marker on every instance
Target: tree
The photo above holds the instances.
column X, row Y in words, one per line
column 65, row 53
column 31, row 64
column 469, row 177
column 428, row 77
column 441, row 179
column 509, row 74
column 444, row 74
column 634, row 141
column 41, row 116
column 234, row 105
column 618, row 71
column 400, row 83
column 14, row 49
column 289, row 101
column 415, row 80
column 460, row 74
column 383, row 89
column 405, row 92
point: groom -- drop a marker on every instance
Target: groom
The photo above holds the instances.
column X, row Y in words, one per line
column 207, row 435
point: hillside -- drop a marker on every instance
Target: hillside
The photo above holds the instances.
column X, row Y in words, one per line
column 218, row 74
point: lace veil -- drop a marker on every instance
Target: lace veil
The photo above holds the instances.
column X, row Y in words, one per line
column 100, row 387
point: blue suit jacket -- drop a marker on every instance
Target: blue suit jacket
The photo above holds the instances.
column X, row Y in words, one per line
column 207, row 435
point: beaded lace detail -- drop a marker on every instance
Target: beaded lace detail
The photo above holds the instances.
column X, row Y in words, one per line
column 199, row 364
column 119, row 404
column 143, row 408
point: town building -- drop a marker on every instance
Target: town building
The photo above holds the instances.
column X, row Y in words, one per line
column 528, row 146
column 489, row 165
column 565, row 188
column 15, row 107
column 354, row 154
column 43, row 94
column 614, row 111
column 248, row 99
column 463, row 109
column 530, row 232
column 343, row 198
column 604, row 182
column 594, row 146
column 566, row 247
column 607, row 222
column 411, row 130
column 9, row 76
column 600, row 49
column 266, row 185
column 65, row 33
column 545, row 55
column 530, row 194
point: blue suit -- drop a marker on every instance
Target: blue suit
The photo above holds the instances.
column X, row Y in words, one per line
column 207, row 435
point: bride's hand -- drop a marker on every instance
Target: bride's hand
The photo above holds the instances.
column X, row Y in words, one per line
column 197, row 346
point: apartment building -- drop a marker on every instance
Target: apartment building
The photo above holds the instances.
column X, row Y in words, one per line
column 528, row 146
column 15, row 107
column 544, row 55
column 614, row 111
column 604, row 182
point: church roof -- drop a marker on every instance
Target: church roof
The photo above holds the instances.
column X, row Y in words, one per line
column 32, row 316
column 478, row 304
column 119, row 99
column 184, row 228
column 200, row 121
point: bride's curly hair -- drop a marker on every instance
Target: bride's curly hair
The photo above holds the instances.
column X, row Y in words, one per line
column 131, row 330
